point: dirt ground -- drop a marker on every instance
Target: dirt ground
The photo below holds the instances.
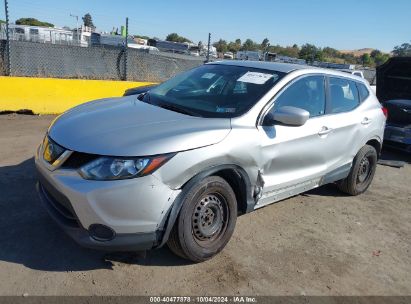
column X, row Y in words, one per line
column 319, row 243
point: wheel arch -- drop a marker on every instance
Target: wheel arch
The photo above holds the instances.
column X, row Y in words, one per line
column 234, row 175
column 376, row 143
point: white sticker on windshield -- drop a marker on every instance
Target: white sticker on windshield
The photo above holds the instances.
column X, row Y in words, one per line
column 208, row 75
column 255, row 77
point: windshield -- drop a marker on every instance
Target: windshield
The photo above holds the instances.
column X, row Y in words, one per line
column 214, row 90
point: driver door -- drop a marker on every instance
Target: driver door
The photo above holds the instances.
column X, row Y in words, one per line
column 294, row 158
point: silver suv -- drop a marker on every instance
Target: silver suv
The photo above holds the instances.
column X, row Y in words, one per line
column 177, row 164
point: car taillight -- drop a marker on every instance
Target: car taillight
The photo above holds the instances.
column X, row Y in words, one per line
column 385, row 111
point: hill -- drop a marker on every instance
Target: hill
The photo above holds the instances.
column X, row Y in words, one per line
column 358, row 53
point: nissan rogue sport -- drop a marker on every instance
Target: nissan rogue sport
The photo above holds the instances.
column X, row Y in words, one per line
column 177, row 164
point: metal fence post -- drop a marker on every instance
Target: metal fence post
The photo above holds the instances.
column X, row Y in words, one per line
column 8, row 67
column 126, row 51
column 208, row 47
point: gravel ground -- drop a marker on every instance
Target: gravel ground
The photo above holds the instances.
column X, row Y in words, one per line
column 319, row 243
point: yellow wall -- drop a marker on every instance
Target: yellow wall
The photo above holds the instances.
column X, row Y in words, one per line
column 53, row 96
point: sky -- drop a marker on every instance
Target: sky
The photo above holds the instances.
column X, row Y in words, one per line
column 341, row 24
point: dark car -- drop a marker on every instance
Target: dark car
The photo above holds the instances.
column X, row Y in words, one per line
column 139, row 90
column 394, row 91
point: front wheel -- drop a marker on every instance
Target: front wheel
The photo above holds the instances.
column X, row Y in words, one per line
column 362, row 172
column 206, row 221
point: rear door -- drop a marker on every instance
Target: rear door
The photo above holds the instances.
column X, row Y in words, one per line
column 347, row 119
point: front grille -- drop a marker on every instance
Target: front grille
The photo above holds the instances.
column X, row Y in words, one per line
column 78, row 159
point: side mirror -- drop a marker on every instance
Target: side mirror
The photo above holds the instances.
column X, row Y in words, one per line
column 290, row 116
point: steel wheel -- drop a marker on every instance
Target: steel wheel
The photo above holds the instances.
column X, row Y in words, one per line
column 364, row 170
column 209, row 219
column 206, row 220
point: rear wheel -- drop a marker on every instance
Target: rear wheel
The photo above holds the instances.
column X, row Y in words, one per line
column 206, row 221
column 362, row 172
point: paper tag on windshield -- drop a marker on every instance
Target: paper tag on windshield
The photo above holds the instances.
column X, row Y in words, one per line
column 208, row 75
column 255, row 77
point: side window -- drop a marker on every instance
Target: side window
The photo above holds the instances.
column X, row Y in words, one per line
column 306, row 93
column 19, row 30
column 344, row 95
column 364, row 93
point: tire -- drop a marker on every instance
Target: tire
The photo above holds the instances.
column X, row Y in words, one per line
column 362, row 172
column 206, row 221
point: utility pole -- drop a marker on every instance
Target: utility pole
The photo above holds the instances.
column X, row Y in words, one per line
column 126, row 51
column 208, row 47
column 77, row 30
column 8, row 67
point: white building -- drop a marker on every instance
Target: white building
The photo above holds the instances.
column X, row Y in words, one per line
column 82, row 35
column 37, row 34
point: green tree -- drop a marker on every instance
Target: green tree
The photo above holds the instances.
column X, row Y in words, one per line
column 174, row 37
column 249, row 45
column 221, row 46
column 311, row 53
column 402, row 50
column 265, row 44
column 381, row 58
column 2, row 21
column 330, row 52
column 33, row 22
column 375, row 53
column 290, row 51
column 88, row 20
column 366, row 59
column 233, row 47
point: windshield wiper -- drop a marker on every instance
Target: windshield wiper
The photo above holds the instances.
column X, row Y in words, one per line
column 142, row 97
column 168, row 106
column 178, row 109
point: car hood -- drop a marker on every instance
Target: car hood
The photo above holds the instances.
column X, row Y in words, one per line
column 129, row 127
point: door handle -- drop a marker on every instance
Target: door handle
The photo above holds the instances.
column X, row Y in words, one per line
column 324, row 131
column 366, row 121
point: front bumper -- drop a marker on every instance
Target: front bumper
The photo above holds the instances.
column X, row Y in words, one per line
column 398, row 136
column 135, row 210
column 120, row 242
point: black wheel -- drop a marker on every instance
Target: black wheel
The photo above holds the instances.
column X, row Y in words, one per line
column 206, row 221
column 362, row 172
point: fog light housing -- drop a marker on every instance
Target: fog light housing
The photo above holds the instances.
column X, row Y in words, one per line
column 101, row 233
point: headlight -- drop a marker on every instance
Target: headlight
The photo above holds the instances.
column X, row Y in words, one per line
column 114, row 168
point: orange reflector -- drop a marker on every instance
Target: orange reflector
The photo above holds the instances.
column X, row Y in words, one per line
column 154, row 164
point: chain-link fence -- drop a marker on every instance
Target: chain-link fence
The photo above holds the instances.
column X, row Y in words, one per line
column 3, row 54
column 36, row 59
